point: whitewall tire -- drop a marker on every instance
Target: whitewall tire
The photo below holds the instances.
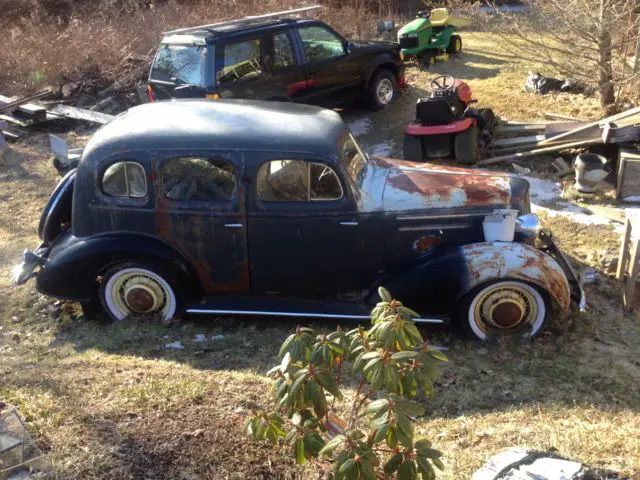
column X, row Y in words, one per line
column 504, row 307
column 133, row 291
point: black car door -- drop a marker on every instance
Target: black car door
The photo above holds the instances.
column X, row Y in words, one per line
column 200, row 209
column 304, row 229
column 239, row 67
column 331, row 74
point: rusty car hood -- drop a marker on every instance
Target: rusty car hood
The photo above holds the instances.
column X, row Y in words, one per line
column 397, row 185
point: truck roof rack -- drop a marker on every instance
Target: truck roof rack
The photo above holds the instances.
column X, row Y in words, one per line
column 240, row 21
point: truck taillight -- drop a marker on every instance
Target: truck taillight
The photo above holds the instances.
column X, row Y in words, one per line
column 152, row 97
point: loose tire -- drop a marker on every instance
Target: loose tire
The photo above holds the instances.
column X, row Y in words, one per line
column 455, row 44
column 504, row 307
column 412, row 148
column 465, row 146
column 382, row 90
column 136, row 290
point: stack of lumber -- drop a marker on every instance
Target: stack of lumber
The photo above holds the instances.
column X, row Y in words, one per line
column 517, row 140
column 20, row 114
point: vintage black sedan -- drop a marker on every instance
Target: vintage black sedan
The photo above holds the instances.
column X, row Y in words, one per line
column 240, row 207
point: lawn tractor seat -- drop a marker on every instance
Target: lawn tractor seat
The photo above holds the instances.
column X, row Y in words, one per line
column 439, row 17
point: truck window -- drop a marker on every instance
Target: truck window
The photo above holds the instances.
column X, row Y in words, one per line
column 297, row 181
column 283, row 55
column 179, row 63
column 239, row 61
column 321, row 44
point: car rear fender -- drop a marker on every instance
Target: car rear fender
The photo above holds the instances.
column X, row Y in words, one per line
column 74, row 264
column 438, row 279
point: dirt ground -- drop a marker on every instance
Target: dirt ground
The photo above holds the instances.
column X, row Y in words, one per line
column 112, row 401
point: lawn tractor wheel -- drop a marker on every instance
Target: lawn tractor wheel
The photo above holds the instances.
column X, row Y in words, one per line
column 465, row 146
column 428, row 59
column 486, row 119
column 455, row 44
column 412, row 148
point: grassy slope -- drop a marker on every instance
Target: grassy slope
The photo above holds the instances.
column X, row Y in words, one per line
column 108, row 401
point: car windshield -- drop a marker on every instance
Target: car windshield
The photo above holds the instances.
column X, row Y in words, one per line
column 352, row 157
column 179, row 63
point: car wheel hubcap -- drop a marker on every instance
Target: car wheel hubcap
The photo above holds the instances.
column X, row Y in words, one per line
column 385, row 91
column 137, row 291
column 506, row 306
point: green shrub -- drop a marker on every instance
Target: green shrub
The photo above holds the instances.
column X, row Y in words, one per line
column 391, row 363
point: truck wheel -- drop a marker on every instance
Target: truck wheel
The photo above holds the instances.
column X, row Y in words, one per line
column 465, row 146
column 455, row 44
column 504, row 307
column 382, row 90
column 136, row 290
column 412, row 148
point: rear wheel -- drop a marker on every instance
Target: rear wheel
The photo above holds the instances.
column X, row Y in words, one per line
column 136, row 290
column 382, row 90
column 455, row 44
column 465, row 146
column 412, row 148
column 504, row 307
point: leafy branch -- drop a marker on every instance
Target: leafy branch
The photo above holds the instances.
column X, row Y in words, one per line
column 391, row 363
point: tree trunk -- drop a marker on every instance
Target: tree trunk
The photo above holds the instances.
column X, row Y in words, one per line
column 605, row 79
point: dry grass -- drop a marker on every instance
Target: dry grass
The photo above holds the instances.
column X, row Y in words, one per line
column 109, row 401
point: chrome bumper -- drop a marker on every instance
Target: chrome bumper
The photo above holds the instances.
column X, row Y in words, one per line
column 30, row 266
column 575, row 281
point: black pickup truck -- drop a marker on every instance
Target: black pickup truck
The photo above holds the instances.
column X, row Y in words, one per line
column 299, row 60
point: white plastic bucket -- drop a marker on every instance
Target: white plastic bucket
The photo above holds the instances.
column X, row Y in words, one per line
column 500, row 226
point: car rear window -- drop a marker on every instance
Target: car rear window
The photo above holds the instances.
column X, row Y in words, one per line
column 179, row 63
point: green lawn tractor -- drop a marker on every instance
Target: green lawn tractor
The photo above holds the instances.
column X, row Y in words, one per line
column 431, row 36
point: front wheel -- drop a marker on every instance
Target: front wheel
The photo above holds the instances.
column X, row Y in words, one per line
column 382, row 90
column 504, row 307
column 465, row 146
column 455, row 44
column 135, row 290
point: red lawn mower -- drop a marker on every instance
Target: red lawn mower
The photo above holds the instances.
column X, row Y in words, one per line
column 445, row 125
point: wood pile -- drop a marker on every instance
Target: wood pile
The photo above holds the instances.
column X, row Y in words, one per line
column 518, row 140
column 17, row 115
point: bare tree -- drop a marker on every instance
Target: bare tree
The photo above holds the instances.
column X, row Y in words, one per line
column 585, row 40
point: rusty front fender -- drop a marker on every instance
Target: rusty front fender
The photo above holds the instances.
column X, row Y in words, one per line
column 498, row 260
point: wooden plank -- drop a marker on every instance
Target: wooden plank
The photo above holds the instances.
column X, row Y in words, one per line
column 509, row 142
column 12, row 104
column 613, row 118
column 538, row 151
column 558, row 116
column 628, row 174
column 512, row 129
column 623, row 257
column 634, row 267
column 81, row 114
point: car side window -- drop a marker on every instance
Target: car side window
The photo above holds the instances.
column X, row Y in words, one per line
column 239, row 61
column 321, row 44
column 125, row 179
column 283, row 55
column 198, row 178
column 297, row 181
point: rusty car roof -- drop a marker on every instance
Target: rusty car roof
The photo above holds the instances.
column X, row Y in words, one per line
column 219, row 125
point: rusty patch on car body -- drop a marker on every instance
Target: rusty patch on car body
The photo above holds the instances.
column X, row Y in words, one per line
column 496, row 260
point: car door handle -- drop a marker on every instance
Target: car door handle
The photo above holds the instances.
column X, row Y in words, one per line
column 233, row 225
column 349, row 223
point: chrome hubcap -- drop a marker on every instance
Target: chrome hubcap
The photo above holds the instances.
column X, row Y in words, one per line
column 385, row 91
column 138, row 291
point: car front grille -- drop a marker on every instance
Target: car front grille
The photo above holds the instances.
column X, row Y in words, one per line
column 408, row 42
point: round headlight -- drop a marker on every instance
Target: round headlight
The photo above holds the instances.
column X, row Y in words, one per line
column 528, row 224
